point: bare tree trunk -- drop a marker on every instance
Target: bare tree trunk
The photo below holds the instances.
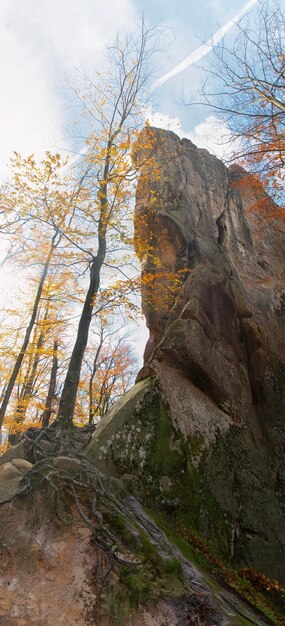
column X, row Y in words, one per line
column 27, row 391
column 46, row 415
column 91, row 402
column 18, row 363
column 29, row 382
column 70, row 387
column 91, row 379
column 69, row 392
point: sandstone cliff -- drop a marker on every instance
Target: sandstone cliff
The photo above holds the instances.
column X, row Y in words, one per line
column 210, row 426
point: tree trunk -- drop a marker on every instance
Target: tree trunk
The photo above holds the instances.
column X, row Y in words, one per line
column 68, row 396
column 46, row 415
column 27, row 391
column 29, row 382
column 69, row 392
column 18, row 363
column 94, row 370
column 91, row 402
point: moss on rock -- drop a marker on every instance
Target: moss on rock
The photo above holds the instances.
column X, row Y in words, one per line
column 225, row 487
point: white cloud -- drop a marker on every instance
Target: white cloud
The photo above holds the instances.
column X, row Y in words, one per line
column 211, row 134
column 163, row 120
column 40, row 42
column 73, row 31
column 30, row 117
column 214, row 136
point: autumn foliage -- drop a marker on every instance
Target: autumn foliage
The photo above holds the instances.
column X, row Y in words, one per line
column 73, row 227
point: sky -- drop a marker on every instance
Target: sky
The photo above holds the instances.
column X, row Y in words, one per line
column 43, row 42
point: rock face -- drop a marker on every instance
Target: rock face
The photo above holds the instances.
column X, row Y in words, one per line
column 218, row 224
column 209, row 425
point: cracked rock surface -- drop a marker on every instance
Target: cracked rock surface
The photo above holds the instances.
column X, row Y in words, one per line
column 214, row 361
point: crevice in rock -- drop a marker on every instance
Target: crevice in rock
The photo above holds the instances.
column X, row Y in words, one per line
column 222, row 229
column 251, row 532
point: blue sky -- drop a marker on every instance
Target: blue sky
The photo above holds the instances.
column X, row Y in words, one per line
column 42, row 41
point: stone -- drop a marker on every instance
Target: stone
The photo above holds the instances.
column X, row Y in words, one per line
column 185, row 204
column 212, row 409
column 111, row 428
column 11, row 474
column 10, row 488
column 165, row 483
column 20, row 451
column 9, row 471
column 67, row 464
column 217, row 348
column 22, row 465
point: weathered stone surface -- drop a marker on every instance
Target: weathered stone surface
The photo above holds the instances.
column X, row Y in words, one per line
column 11, row 474
column 19, row 451
column 67, row 464
column 8, row 471
column 207, row 214
column 116, row 432
column 14, row 469
column 9, row 488
column 53, row 572
column 45, row 576
column 22, row 465
column 221, row 470
column 218, row 351
column 212, row 420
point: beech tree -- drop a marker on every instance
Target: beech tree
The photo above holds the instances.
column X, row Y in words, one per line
column 85, row 213
column 30, row 396
column 114, row 106
column 28, row 386
column 245, row 85
column 29, row 329
column 37, row 205
column 51, row 394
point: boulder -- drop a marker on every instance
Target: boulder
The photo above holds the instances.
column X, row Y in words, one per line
column 11, row 474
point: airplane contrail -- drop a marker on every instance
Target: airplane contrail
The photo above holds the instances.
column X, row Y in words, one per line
column 192, row 58
column 204, row 49
column 73, row 160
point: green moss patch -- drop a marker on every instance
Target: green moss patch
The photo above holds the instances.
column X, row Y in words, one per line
column 263, row 594
column 155, row 578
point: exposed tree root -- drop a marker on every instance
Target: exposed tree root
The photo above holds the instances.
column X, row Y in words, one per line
column 68, row 445
column 70, row 479
column 55, row 439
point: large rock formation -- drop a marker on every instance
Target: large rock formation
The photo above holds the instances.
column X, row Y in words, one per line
column 208, row 424
column 199, row 439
